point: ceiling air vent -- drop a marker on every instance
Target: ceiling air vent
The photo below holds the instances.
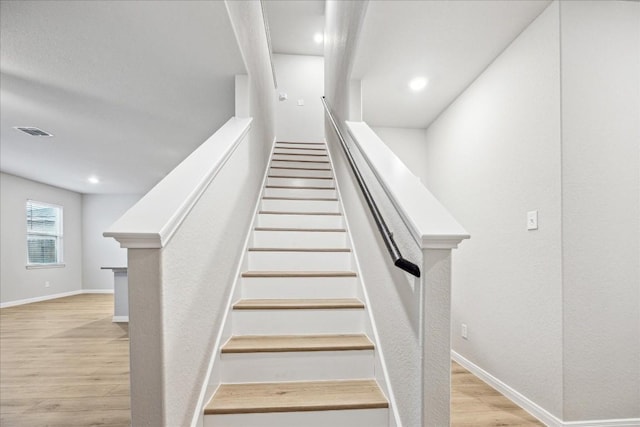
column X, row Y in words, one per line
column 33, row 131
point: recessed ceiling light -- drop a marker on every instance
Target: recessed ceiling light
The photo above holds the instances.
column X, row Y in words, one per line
column 93, row 180
column 317, row 37
column 33, row 131
column 417, row 84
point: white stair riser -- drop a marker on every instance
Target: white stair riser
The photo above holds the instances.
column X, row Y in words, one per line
column 299, row 287
column 292, row 322
column 299, row 239
column 300, row 150
column 301, row 221
column 315, row 164
column 300, row 157
column 300, row 145
column 302, row 172
column 300, row 205
column 300, row 182
column 297, row 366
column 299, row 261
column 300, row 192
column 346, row 418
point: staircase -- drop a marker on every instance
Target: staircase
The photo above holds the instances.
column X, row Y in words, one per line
column 298, row 354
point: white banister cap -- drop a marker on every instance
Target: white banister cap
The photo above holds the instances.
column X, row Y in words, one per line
column 430, row 223
column 152, row 221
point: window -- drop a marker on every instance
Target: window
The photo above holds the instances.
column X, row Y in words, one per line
column 44, row 234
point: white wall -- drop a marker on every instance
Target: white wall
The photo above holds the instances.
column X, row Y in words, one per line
column 342, row 27
column 248, row 25
column 301, row 77
column 601, row 208
column 17, row 282
column 394, row 301
column 410, row 145
column 99, row 211
column 551, row 125
column 493, row 155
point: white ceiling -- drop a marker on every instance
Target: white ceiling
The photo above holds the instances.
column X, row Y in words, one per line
column 449, row 42
column 127, row 88
column 130, row 88
column 292, row 25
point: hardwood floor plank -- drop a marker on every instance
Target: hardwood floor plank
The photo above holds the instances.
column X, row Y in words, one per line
column 64, row 362
column 60, row 359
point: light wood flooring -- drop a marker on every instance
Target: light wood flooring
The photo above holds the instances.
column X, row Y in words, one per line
column 64, row 363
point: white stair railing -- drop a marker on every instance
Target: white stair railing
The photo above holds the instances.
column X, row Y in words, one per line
column 430, row 234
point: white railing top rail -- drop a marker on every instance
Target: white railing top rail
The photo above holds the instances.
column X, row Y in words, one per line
column 430, row 223
column 152, row 221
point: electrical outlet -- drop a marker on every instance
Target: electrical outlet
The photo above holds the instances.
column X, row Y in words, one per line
column 464, row 331
column 47, row 284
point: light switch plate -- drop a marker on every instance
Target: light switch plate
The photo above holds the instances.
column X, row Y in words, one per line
column 532, row 220
column 300, row 102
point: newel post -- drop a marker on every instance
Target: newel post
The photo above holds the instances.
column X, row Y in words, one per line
column 436, row 331
column 145, row 337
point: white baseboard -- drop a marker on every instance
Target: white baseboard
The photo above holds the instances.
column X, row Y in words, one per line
column 120, row 319
column 533, row 408
column 54, row 296
column 621, row 422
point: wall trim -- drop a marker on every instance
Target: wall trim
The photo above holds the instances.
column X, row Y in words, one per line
column 620, row 422
column 516, row 397
column 54, row 296
column 533, row 408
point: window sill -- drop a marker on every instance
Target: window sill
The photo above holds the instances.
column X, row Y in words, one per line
column 37, row 266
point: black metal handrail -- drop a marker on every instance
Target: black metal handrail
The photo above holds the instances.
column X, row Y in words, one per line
column 387, row 235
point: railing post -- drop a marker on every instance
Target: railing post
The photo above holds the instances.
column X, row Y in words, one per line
column 145, row 337
column 436, row 337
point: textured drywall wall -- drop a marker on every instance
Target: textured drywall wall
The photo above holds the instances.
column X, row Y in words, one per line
column 16, row 281
column 393, row 296
column 301, row 77
column 493, row 155
column 409, row 145
column 601, row 208
column 248, row 25
column 99, row 211
column 198, row 270
column 342, row 27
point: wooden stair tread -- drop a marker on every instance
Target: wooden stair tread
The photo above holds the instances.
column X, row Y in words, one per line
column 300, row 161
column 299, row 177
column 298, row 304
column 295, row 343
column 294, row 187
column 321, row 230
column 248, row 398
column 300, row 143
column 322, row 199
column 266, row 273
column 299, row 249
column 298, row 213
